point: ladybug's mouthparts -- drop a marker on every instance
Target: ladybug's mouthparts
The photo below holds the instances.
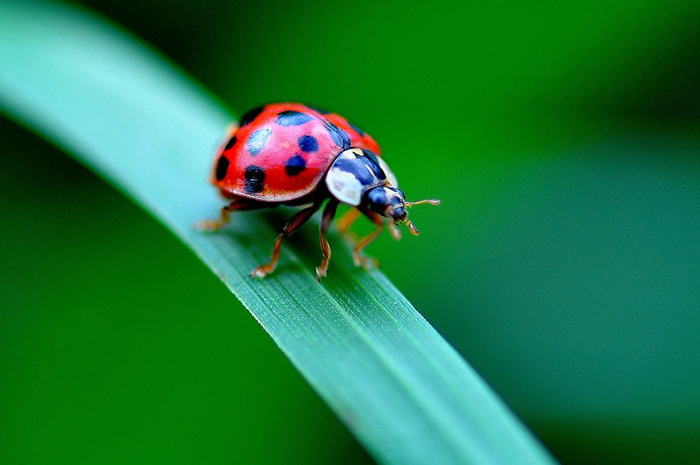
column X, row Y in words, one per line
column 412, row 228
column 409, row 224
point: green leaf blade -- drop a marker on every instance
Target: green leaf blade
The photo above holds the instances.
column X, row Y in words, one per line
column 144, row 126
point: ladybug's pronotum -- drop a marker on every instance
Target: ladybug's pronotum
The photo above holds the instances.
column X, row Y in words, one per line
column 294, row 154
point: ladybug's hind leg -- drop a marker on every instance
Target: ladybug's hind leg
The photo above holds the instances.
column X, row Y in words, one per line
column 238, row 203
column 328, row 214
column 215, row 225
column 290, row 228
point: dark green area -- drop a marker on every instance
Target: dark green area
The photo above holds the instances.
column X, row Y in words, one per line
column 563, row 263
column 118, row 346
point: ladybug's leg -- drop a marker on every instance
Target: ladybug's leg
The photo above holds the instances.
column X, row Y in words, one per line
column 395, row 232
column 345, row 221
column 237, row 204
column 290, row 228
column 358, row 258
column 215, row 225
column 328, row 214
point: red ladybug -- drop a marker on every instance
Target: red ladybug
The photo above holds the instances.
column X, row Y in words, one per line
column 294, row 154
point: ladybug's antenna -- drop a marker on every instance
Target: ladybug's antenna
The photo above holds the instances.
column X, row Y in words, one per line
column 430, row 201
column 408, row 222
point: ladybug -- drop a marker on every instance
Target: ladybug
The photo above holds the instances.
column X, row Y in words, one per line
column 298, row 155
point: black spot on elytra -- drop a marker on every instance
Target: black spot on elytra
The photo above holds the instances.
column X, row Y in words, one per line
column 251, row 115
column 231, row 142
column 292, row 118
column 256, row 141
column 308, row 143
column 339, row 136
column 295, row 165
column 221, row 168
column 357, row 130
column 254, row 179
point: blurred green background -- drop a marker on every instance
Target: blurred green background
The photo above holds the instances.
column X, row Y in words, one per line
column 564, row 262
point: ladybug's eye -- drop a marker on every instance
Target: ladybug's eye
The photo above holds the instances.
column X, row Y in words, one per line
column 395, row 200
column 399, row 214
column 377, row 200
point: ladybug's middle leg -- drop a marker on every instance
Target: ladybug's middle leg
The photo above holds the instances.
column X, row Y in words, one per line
column 290, row 228
column 345, row 221
column 328, row 214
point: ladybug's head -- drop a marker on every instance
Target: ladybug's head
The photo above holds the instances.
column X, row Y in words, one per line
column 391, row 202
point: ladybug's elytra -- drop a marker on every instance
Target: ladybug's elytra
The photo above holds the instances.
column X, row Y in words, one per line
column 294, row 154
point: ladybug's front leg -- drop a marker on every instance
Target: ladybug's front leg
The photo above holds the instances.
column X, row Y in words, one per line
column 328, row 215
column 343, row 224
column 290, row 228
column 358, row 258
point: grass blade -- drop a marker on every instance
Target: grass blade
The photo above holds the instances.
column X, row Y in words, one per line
column 124, row 111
